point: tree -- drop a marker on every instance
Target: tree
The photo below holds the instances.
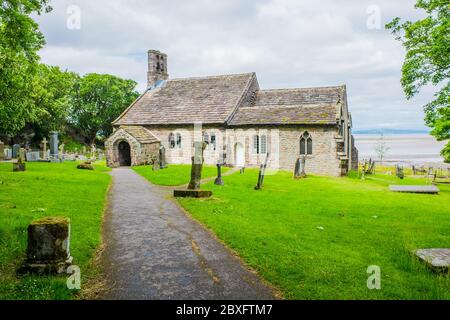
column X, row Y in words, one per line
column 427, row 62
column 100, row 99
column 53, row 91
column 381, row 149
column 20, row 40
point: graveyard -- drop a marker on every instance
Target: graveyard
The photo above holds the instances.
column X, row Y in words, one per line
column 313, row 238
column 43, row 190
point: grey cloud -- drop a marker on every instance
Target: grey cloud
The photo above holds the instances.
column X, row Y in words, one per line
column 289, row 43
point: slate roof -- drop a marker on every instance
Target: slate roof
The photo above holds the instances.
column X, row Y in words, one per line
column 219, row 100
column 301, row 114
column 141, row 134
column 292, row 106
column 185, row 101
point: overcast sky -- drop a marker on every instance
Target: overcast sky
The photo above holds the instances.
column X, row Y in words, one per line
column 288, row 43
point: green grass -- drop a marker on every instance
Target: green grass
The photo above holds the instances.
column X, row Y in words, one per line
column 277, row 231
column 48, row 189
column 174, row 174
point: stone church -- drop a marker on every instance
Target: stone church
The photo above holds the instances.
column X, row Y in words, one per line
column 241, row 123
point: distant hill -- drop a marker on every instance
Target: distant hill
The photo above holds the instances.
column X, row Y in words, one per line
column 389, row 131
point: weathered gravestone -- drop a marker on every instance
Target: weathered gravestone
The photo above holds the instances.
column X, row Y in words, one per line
column 193, row 189
column 162, row 158
column 44, row 149
column 399, row 172
column 19, row 166
column 54, row 145
column 2, row 151
column 219, row 180
column 48, row 250
column 262, row 172
column 437, row 259
column 61, row 151
column 299, row 171
column 33, row 156
column 15, row 150
column 8, row 154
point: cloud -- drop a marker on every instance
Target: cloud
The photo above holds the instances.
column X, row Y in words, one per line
column 288, row 43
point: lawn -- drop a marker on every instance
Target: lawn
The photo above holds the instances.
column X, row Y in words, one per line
column 48, row 189
column 174, row 174
column 315, row 238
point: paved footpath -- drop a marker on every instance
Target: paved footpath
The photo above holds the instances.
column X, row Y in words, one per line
column 154, row 251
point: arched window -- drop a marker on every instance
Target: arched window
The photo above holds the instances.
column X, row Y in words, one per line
column 171, row 140
column 305, row 144
column 178, row 140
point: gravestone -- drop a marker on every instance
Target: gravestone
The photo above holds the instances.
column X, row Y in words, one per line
column 2, row 151
column 61, row 151
column 19, row 166
column 15, row 151
column 193, row 189
column 8, row 154
column 262, row 172
column 162, row 157
column 437, row 259
column 299, row 171
column 399, row 172
column 414, row 189
column 48, row 250
column 219, row 180
column 54, row 144
column 33, row 156
column 22, row 154
column 44, row 149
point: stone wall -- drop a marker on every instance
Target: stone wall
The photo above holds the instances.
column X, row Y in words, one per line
column 140, row 153
column 283, row 144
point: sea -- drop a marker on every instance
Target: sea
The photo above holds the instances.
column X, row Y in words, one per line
column 418, row 149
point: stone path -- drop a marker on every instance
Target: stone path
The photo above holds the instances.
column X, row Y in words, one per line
column 154, row 251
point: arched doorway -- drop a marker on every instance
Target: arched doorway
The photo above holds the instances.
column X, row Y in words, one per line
column 124, row 154
column 239, row 158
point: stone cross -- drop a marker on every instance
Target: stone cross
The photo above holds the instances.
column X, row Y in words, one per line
column 44, row 148
column 219, row 180
column 197, row 164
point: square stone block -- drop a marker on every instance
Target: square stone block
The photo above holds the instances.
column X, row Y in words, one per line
column 48, row 246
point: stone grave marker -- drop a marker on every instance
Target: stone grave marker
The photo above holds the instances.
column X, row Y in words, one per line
column 437, row 259
column 54, row 144
column 2, row 151
column 162, row 157
column 33, row 156
column 299, row 171
column 219, row 181
column 48, row 250
column 19, row 166
column 44, row 149
column 8, row 154
column 15, row 151
column 262, row 172
column 193, row 189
